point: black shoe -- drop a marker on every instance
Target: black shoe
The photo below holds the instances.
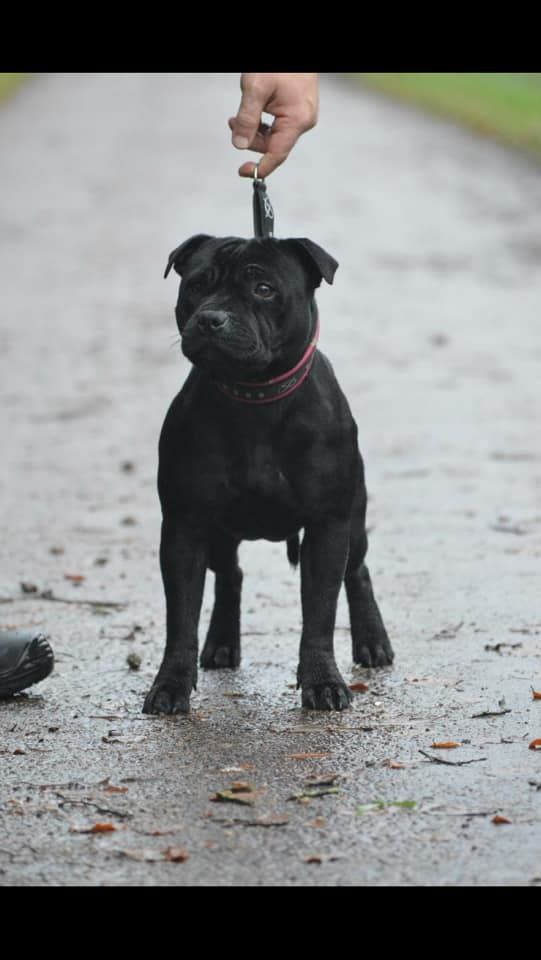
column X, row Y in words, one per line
column 25, row 658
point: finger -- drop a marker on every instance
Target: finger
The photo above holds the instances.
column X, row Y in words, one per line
column 261, row 139
column 246, row 123
column 279, row 143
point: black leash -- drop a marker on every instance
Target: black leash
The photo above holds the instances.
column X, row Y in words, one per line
column 263, row 210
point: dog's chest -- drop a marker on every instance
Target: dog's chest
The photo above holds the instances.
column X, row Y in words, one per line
column 259, row 499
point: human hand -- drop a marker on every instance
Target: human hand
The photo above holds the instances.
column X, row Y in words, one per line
column 292, row 99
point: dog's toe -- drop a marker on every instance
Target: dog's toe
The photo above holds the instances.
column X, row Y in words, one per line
column 377, row 653
column 329, row 696
column 163, row 698
column 220, row 657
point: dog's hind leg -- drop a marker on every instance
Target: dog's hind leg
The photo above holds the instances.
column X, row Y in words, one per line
column 370, row 644
column 222, row 645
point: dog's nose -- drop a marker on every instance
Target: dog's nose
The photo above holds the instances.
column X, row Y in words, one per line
column 212, row 320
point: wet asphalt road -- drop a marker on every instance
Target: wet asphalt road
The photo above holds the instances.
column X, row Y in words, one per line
column 433, row 329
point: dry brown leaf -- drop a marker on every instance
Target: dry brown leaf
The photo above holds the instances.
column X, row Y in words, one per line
column 95, row 828
column 535, row 745
column 241, row 786
column 393, row 764
column 175, row 854
column 498, row 819
column 445, row 745
column 270, row 821
column 318, row 822
column 314, row 858
column 359, row 687
column 112, row 789
column 74, row 577
column 309, row 756
column 536, row 694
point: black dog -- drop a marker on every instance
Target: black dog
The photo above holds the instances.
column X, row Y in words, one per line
column 259, row 444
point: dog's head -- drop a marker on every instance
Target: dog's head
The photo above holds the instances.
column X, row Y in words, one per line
column 244, row 308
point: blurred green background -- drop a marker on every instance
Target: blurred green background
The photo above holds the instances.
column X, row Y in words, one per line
column 506, row 106
column 9, row 83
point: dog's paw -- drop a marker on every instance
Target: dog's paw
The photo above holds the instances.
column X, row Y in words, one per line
column 167, row 697
column 326, row 696
column 220, row 656
column 373, row 651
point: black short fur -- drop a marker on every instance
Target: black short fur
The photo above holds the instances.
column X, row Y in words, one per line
column 230, row 472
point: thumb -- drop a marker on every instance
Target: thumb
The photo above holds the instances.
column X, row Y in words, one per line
column 246, row 124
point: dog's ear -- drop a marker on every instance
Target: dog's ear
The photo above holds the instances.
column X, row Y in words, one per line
column 322, row 264
column 180, row 256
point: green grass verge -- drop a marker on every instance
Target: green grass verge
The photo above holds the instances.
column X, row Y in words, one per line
column 503, row 105
column 9, row 83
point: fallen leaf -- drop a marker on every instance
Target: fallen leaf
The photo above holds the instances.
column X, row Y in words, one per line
column 95, row 828
column 309, row 756
column 227, row 796
column 268, row 822
column 491, row 713
column 306, row 795
column 318, row 822
column 359, row 687
column 18, row 752
column 535, row 745
column 324, row 780
column 112, row 789
column 74, row 577
column 393, row 764
column 445, row 745
column 176, row 854
column 144, row 856
column 378, row 805
column 498, row 819
column 314, row 858
column 496, row 647
column 536, row 695
column 241, row 786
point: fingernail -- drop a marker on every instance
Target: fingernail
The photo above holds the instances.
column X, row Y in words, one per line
column 241, row 143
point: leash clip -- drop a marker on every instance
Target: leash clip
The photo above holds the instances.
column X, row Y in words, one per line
column 262, row 208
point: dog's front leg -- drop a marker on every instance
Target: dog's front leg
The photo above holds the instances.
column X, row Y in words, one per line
column 323, row 562
column 183, row 565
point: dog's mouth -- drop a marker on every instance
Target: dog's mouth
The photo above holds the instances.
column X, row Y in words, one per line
column 226, row 358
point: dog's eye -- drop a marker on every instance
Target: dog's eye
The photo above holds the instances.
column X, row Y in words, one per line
column 195, row 287
column 263, row 290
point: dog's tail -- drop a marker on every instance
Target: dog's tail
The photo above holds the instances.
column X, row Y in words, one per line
column 293, row 550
